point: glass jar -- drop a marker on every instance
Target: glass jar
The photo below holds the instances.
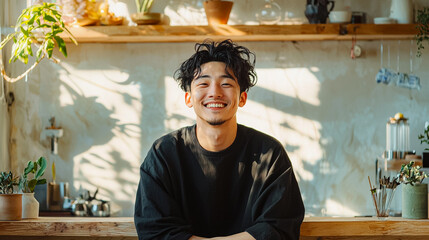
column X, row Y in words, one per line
column 270, row 13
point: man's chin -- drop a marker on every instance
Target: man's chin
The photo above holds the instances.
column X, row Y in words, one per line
column 216, row 122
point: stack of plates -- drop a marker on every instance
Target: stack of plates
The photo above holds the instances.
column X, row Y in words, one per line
column 384, row 20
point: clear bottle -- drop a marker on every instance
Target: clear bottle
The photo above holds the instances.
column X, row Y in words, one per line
column 397, row 138
column 270, row 13
column 403, row 138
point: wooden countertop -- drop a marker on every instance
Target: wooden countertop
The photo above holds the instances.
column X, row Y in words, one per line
column 123, row 228
column 364, row 228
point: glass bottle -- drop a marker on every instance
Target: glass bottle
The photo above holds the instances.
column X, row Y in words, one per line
column 270, row 13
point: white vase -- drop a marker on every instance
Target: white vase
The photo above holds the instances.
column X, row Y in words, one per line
column 30, row 206
column 402, row 11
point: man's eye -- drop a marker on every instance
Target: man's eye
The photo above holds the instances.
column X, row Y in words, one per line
column 202, row 84
column 226, row 84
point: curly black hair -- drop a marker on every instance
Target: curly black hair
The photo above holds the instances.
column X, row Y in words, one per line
column 237, row 58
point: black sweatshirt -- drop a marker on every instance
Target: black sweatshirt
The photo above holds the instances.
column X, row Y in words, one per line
column 185, row 190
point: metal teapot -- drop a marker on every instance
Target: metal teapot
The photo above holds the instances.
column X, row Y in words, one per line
column 317, row 11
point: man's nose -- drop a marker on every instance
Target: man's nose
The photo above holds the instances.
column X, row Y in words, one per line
column 215, row 90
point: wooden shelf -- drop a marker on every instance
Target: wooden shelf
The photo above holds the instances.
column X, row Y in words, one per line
column 303, row 32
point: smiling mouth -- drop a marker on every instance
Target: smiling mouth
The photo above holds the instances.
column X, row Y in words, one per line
column 215, row 105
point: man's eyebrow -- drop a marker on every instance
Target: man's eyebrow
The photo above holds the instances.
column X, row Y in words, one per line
column 225, row 75
column 202, row 76
column 228, row 75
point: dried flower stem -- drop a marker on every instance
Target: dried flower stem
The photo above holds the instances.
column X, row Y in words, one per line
column 373, row 197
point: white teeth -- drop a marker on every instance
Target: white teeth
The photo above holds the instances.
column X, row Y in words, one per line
column 215, row 105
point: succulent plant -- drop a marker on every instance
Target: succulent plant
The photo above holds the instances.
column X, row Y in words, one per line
column 7, row 181
column 410, row 174
column 143, row 6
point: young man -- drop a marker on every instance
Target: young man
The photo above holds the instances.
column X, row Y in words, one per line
column 217, row 179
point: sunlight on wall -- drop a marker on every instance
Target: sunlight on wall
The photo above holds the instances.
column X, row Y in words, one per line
column 292, row 82
column 186, row 13
column 300, row 135
column 334, row 208
column 107, row 113
column 179, row 115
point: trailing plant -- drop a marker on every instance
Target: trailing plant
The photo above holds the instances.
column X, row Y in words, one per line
column 37, row 168
column 41, row 25
column 424, row 138
column 7, row 181
column 143, row 6
column 410, row 174
column 423, row 28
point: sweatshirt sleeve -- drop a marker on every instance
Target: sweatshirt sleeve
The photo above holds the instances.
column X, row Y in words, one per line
column 157, row 215
column 278, row 210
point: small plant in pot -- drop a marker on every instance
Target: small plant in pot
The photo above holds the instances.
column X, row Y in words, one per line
column 143, row 15
column 30, row 206
column 414, row 192
column 10, row 202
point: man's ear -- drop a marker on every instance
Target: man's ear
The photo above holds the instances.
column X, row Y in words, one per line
column 188, row 100
column 243, row 99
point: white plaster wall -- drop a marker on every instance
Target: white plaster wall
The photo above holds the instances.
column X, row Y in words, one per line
column 114, row 100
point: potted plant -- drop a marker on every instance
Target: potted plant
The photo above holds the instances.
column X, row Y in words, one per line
column 217, row 11
column 414, row 192
column 10, row 202
column 30, row 206
column 423, row 29
column 143, row 15
column 40, row 25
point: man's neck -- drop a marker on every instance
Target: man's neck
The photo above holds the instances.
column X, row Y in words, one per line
column 216, row 138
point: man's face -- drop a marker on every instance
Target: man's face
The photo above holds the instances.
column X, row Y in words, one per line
column 215, row 95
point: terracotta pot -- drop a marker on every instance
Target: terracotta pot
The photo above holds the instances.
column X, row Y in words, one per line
column 146, row 18
column 10, row 207
column 217, row 11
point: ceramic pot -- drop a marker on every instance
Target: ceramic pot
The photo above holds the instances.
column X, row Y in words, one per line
column 30, row 206
column 146, row 18
column 217, row 11
column 402, row 11
column 10, row 207
column 415, row 201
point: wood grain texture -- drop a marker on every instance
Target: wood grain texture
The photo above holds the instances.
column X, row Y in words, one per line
column 69, row 226
column 364, row 227
column 302, row 32
column 122, row 228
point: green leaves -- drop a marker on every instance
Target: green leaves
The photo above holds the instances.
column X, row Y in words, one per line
column 38, row 169
column 7, row 181
column 423, row 28
column 42, row 164
column 410, row 174
column 38, row 20
column 143, row 6
column 424, row 138
column 29, row 168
